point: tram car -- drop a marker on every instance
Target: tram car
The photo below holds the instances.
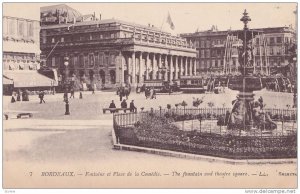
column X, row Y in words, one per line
column 160, row 86
column 193, row 84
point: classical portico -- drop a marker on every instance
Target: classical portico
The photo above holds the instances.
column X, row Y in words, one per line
column 142, row 65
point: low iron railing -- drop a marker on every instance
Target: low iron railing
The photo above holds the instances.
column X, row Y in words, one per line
column 129, row 119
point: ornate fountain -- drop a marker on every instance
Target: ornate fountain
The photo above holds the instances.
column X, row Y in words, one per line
column 247, row 114
column 249, row 130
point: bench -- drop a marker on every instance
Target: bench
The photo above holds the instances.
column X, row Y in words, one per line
column 26, row 115
column 114, row 109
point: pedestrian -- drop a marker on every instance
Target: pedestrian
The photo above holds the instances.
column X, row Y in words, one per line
column 154, row 94
column 93, row 88
column 72, row 93
column 132, row 106
column 121, row 93
column 124, row 105
column 26, row 95
column 19, row 95
column 147, row 92
column 41, row 96
column 13, row 99
column 112, row 105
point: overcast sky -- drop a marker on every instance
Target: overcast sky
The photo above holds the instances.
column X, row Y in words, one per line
column 187, row 17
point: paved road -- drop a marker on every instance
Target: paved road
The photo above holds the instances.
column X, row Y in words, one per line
column 81, row 142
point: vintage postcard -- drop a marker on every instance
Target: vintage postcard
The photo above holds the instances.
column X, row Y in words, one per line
column 150, row 95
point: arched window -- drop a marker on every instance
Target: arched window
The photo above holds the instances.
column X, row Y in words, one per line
column 112, row 76
column 102, row 76
column 91, row 73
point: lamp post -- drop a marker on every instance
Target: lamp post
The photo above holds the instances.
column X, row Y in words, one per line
column 66, row 63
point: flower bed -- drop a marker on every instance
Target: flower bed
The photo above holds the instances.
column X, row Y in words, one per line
column 161, row 133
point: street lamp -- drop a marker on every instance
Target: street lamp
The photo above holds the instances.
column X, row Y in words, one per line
column 66, row 63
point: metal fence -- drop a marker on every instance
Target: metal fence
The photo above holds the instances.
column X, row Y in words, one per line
column 129, row 119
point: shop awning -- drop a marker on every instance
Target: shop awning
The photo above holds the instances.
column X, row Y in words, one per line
column 7, row 81
column 23, row 78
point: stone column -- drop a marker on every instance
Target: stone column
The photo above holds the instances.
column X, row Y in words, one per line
column 171, row 68
column 167, row 68
column 118, row 69
column 159, row 65
column 155, row 68
column 181, row 66
column 141, row 72
column 185, row 66
column 176, row 67
column 147, row 65
column 195, row 66
column 191, row 66
column 133, row 73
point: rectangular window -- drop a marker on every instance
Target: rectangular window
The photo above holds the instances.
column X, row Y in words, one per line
column 71, row 62
column 91, row 60
column 202, row 44
column 75, row 58
column 207, row 53
column 257, row 41
column 53, row 61
column 57, row 61
column 96, row 59
column 53, row 40
column 272, row 40
column 30, row 29
column 81, row 61
column 62, row 39
column 86, row 60
column 271, row 51
column 21, row 28
column 101, row 59
column 202, row 65
column 11, row 25
column 202, row 54
column 112, row 59
column 207, row 44
column 213, row 63
column 279, row 40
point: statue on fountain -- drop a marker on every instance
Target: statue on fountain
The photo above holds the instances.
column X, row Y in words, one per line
column 247, row 114
column 246, row 55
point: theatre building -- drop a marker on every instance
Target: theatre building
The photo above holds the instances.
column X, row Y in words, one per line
column 21, row 56
column 111, row 52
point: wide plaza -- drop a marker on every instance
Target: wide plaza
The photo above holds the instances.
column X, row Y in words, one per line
column 82, row 142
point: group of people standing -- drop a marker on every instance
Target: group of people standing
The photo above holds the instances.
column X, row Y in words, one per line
column 150, row 93
column 19, row 96
column 124, row 91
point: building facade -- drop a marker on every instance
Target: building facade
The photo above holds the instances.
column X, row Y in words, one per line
column 218, row 50
column 21, row 44
column 111, row 52
column 21, row 57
